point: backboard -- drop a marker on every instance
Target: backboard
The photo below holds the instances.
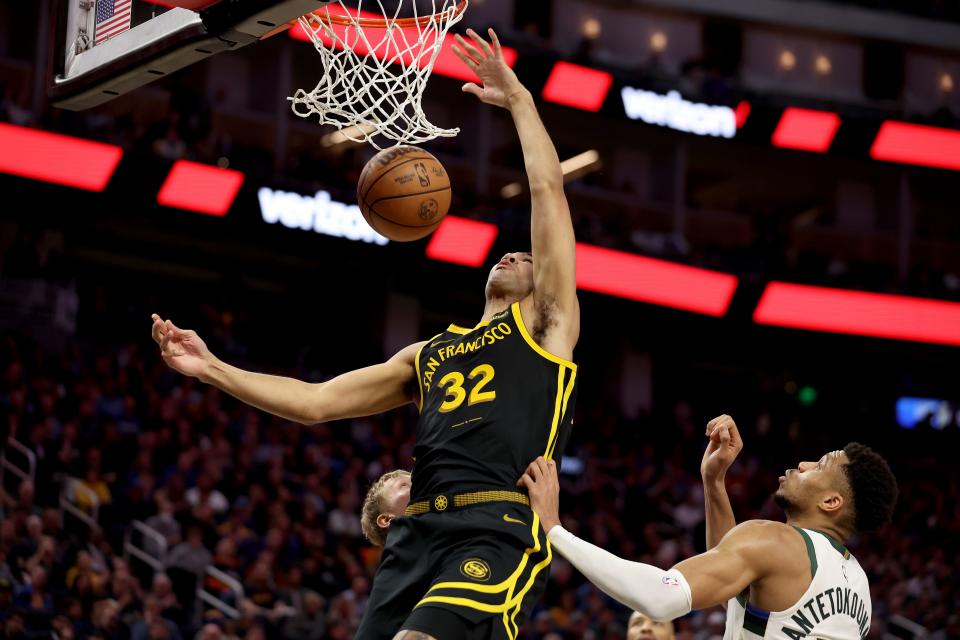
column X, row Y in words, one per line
column 105, row 48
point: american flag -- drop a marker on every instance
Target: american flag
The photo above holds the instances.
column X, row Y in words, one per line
column 113, row 17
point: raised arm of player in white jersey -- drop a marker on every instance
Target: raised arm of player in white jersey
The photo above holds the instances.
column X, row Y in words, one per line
column 358, row 393
column 722, row 449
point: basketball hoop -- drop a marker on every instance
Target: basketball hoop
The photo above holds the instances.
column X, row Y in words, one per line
column 375, row 68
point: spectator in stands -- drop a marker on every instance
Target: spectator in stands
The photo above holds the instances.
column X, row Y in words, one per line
column 161, row 592
column 34, row 598
column 125, row 589
column 23, row 505
column 46, row 555
column 205, row 494
column 237, row 525
column 26, row 548
column 6, row 598
column 209, row 631
column 153, row 625
column 259, row 586
column 101, row 553
column 15, row 627
column 165, row 523
column 190, row 555
column 85, row 568
column 224, row 559
column 94, row 484
column 63, row 628
column 107, row 621
column 309, row 623
column 343, row 520
column 348, row 606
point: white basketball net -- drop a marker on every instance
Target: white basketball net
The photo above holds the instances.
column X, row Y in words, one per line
column 374, row 76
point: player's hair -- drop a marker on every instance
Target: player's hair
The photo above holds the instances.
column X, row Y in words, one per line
column 373, row 506
column 872, row 485
column 637, row 614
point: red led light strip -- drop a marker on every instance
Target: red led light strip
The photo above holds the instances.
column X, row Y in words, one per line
column 447, row 63
column 200, row 187
column 51, row 157
column 859, row 313
column 806, row 130
column 917, row 144
column 575, row 86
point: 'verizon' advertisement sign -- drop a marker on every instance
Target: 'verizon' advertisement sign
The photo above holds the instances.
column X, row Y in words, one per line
column 673, row 111
column 319, row 213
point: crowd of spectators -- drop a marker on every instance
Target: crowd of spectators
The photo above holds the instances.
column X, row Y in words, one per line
column 275, row 506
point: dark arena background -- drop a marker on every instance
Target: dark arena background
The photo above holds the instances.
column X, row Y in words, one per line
column 765, row 193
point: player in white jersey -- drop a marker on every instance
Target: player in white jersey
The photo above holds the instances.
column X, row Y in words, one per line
column 782, row 581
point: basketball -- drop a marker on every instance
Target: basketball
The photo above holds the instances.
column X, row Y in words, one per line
column 404, row 193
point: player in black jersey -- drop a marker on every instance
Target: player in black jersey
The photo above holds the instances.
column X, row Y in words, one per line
column 469, row 557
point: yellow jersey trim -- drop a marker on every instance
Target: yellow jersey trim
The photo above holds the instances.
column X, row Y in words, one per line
column 563, row 409
column 518, row 318
column 466, row 602
column 557, row 403
column 523, row 592
column 416, row 365
column 463, row 330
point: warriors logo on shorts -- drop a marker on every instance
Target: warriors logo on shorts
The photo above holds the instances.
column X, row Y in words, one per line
column 475, row 569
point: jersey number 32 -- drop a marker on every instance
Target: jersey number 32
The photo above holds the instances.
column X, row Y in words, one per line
column 455, row 394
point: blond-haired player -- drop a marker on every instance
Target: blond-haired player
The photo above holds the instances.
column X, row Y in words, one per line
column 386, row 499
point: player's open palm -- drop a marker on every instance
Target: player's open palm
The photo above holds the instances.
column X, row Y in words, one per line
column 486, row 60
column 722, row 449
column 182, row 350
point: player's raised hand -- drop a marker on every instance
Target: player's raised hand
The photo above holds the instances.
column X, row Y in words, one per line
column 543, row 485
column 182, row 350
column 722, row 449
column 486, row 60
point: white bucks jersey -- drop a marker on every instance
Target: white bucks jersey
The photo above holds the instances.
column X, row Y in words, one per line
column 836, row 605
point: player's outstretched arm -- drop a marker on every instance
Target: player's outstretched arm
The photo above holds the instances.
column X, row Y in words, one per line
column 747, row 553
column 722, row 449
column 661, row 595
column 552, row 237
column 357, row 393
